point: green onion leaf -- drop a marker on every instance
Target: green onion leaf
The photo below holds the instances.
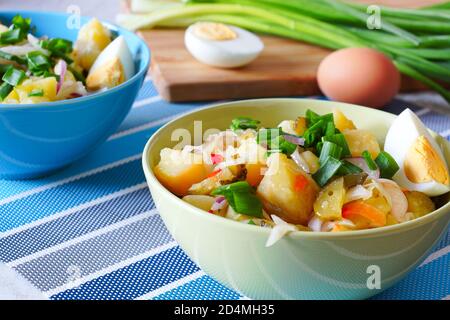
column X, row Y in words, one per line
column 5, row 89
column 241, row 197
column 330, row 129
column 339, row 139
column 38, row 62
column 326, row 171
column 36, row 93
column 244, row 123
column 388, row 166
column 368, row 158
column 13, row 76
column 21, row 23
column 348, row 168
column 10, row 36
column 329, row 149
column 252, row 222
column 10, row 57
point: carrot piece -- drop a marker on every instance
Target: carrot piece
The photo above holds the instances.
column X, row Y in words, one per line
column 300, row 182
column 212, row 174
column 359, row 210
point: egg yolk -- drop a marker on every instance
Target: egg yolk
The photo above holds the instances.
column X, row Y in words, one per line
column 423, row 163
column 108, row 75
column 214, row 31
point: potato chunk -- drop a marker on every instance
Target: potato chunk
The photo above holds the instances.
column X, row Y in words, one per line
column 341, row 121
column 360, row 140
column 178, row 170
column 419, row 203
column 287, row 191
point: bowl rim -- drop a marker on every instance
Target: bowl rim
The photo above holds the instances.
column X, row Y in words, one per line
column 66, row 102
column 374, row 232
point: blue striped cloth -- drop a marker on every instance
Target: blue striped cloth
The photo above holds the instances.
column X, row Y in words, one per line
column 92, row 231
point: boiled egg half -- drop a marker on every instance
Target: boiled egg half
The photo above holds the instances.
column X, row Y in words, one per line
column 221, row 45
column 422, row 164
column 113, row 66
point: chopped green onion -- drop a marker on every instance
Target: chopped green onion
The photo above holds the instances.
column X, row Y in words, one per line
column 5, row 89
column 330, row 129
column 280, row 144
column 348, row 168
column 21, row 23
column 58, row 47
column 4, row 68
column 369, row 161
column 244, row 123
column 10, row 57
column 388, row 166
column 339, row 139
column 13, row 76
column 329, row 149
column 252, row 222
column 326, row 171
column 311, row 117
column 36, row 93
column 10, row 36
column 38, row 62
column 241, row 197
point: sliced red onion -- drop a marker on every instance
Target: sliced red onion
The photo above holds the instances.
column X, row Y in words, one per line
column 219, row 203
column 360, row 162
column 399, row 202
column 295, row 140
column 75, row 95
column 61, row 69
column 300, row 161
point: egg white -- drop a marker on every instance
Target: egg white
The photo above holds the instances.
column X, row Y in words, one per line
column 224, row 53
column 404, row 131
column 117, row 48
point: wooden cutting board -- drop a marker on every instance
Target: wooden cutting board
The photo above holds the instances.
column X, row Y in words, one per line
column 285, row 68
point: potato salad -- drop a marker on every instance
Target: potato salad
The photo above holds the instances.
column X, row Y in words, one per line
column 42, row 69
column 313, row 173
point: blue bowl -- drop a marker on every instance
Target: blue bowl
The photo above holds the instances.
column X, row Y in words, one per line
column 36, row 140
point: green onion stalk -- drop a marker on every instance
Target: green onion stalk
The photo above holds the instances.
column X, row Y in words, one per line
column 423, row 56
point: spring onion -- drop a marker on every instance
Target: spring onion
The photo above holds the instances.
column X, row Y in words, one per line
column 388, row 166
column 348, row 168
column 36, row 93
column 328, row 23
column 339, row 139
column 329, row 149
column 241, row 197
column 5, row 89
column 326, row 171
column 369, row 161
column 13, row 76
column 38, row 63
column 244, row 123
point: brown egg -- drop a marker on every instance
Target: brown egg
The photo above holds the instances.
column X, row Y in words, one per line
column 360, row 76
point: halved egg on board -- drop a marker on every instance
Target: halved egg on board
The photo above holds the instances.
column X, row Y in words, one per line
column 113, row 66
column 422, row 164
column 221, row 45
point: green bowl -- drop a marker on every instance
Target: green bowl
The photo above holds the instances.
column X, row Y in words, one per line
column 303, row 265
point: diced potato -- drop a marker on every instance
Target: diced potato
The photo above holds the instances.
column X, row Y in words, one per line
column 280, row 193
column 341, row 121
column 93, row 37
column 288, row 126
column 218, row 178
column 12, row 97
column 360, row 140
column 200, row 201
column 379, row 201
column 205, row 203
column 48, row 85
column 300, row 126
column 178, row 171
column 419, row 203
column 312, row 160
column 390, row 220
column 254, row 175
column 328, row 205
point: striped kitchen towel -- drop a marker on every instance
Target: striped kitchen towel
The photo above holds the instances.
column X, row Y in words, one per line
column 92, row 230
